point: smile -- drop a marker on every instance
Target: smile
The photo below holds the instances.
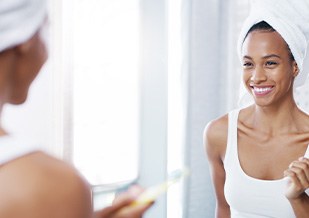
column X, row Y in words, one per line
column 261, row 91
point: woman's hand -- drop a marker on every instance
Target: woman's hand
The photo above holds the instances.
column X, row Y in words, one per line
column 122, row 206
column 298, row 174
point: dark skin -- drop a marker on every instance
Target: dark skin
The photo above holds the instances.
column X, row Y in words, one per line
column 273, row 125
column 37, row 185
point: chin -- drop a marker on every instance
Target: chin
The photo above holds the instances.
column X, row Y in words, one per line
column 263, row 103
column 18, row 100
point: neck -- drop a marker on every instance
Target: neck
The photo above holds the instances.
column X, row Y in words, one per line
column 277, row 119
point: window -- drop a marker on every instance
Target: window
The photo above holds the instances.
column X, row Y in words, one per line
column 105, row 111
column 175, row 156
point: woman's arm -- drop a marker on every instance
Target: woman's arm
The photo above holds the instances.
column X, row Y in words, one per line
column 215, row 139
column 298, row 174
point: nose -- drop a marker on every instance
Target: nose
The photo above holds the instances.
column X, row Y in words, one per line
column 258, row 75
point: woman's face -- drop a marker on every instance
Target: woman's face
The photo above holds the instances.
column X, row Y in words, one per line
column 30, row 58
column 268, row 71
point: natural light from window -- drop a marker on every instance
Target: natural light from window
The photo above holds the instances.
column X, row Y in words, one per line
column 175, row 106
column 106, row 90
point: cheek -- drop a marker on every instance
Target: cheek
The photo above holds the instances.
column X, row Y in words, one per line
column 246, row 75
column 283, row 76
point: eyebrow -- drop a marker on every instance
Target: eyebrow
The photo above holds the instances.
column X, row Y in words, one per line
column 265, row 57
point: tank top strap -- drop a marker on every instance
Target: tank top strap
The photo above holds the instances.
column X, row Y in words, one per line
column 231, row 146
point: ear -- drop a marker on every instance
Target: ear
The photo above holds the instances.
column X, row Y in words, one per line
column 295, row 69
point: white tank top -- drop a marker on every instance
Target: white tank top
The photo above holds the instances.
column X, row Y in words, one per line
column 13, row 147
column 249, row 197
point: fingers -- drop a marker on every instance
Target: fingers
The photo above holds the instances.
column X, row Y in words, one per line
column 133, row 211
column 122, row 205
column 130, row 195
column 300, row 169
column 298, row 172
column 293, row 179
column 123, row 199
column 130, row 210
column 302, row 166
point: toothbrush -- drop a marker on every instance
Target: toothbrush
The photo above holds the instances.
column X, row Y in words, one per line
column 150, row 194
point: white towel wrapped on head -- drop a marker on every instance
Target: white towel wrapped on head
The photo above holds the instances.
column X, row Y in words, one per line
column 19, row 21
column 290, row 18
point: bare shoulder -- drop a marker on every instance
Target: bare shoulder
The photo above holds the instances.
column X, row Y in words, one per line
column 215, row 140
column 38, row 185
column 215, row 136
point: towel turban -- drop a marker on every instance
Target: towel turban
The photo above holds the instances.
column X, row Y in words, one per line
column 290, row 18
column 19, row 21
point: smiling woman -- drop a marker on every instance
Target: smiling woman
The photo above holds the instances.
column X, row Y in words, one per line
column 240, row 145
column 266, row 74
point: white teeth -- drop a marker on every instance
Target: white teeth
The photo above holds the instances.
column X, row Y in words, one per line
column 261, row 90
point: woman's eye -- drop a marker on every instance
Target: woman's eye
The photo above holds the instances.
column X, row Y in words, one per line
column 247, row 64
column 271, row 63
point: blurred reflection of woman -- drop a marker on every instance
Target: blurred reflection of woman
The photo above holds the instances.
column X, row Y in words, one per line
column 32, row 183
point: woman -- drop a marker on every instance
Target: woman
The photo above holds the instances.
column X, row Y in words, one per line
column 259, row 154
column 32, row 183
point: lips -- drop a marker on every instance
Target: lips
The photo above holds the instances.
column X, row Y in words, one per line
column 262, row 91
